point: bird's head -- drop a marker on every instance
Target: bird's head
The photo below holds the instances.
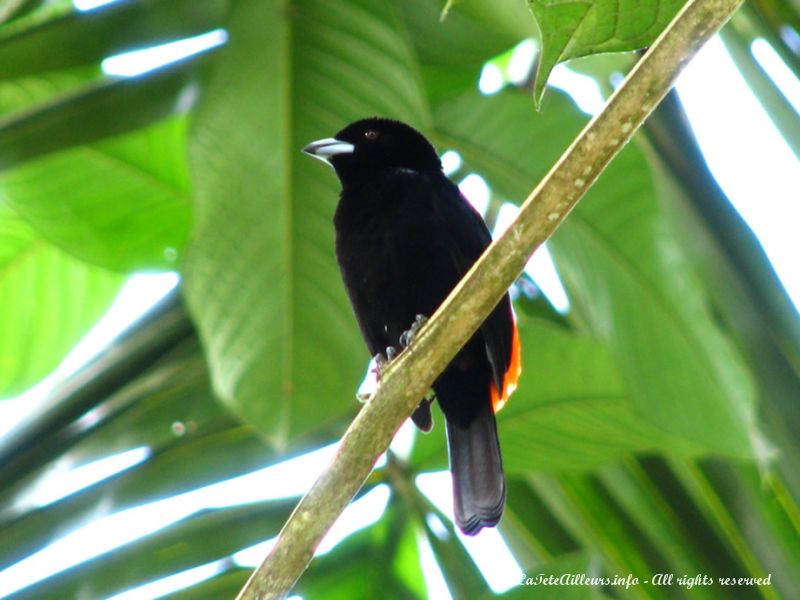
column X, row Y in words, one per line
column 372, row 145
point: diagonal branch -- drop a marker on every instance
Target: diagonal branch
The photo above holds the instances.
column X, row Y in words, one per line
column 410, row 376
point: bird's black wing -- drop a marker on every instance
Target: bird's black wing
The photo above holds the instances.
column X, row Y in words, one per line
column 469, row 237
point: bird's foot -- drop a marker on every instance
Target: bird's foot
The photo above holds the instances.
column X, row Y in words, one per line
column 379, row 364
column 382, row 360
column 407, row 337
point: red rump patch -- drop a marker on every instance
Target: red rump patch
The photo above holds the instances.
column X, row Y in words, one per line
column 511, row 377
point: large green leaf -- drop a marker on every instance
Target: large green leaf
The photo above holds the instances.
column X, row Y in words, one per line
column 706, row 499
column 573, row 28
column 583, row 505
column 69, row 297
column 23, row 93
column 121, row 203
column 659, row 523
column 261, row 281
column 87, row 37
column 452, row 51
column 472, row 32
column 749, row 299
column 100, row 109
column 628, row 279
column 571, row 411
column 766, row 515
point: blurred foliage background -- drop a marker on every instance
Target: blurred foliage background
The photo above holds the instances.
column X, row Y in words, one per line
column 655, row 428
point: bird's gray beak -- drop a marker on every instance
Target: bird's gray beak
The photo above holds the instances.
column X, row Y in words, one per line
column 328, row 148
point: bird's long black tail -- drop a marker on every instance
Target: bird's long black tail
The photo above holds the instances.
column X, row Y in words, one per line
column 479, row 488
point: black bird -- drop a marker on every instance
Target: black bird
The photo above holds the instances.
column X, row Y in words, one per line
column 405, row 235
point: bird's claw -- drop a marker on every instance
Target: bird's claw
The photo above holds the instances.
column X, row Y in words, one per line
column 408, row 335
column 382, row 360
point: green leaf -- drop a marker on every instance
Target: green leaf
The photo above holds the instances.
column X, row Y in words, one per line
column 473, row 32
column 573, row 28
column 748, row 298
column 657, row 520
column 767, row 514
column 87, row 37
column 69, row 297
column 533, row 532
column 571, row 411
column 122, row 203
column 23, row 93
column 452, row 52
column 627, row 277
column 100, row 109
column 604, row 529
column 707, row 499
column 654, row 312
column 260, row 277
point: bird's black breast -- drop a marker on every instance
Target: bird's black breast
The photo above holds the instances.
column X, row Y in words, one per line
column 392, row 250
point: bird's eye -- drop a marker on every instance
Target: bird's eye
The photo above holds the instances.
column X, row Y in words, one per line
column 371, row 134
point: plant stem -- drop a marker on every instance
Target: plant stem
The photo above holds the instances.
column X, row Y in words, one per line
column 410, row 376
